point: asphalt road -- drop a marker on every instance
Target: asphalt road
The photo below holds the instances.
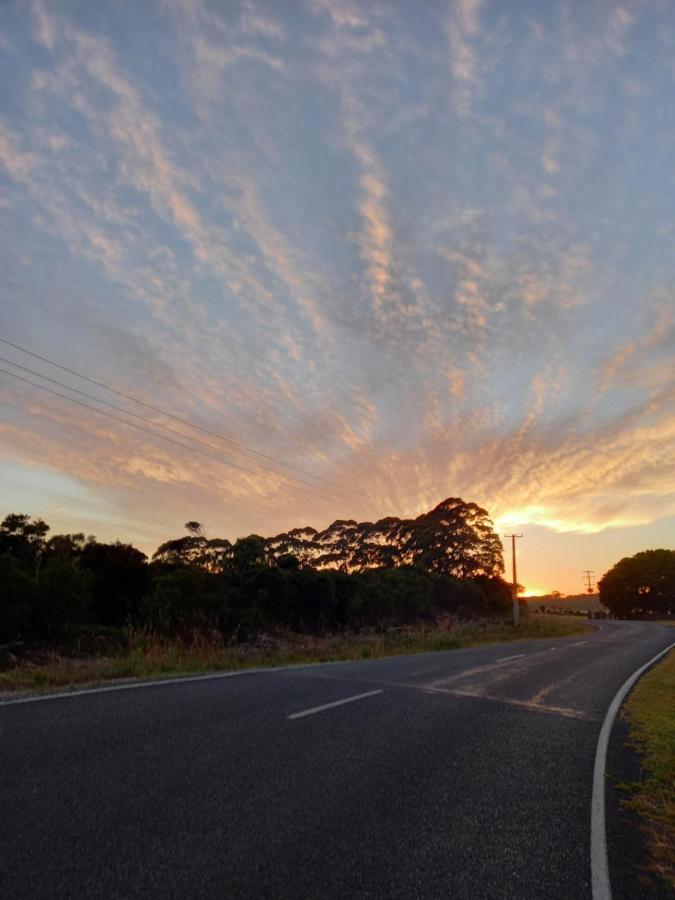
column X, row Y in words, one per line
column 464, row 774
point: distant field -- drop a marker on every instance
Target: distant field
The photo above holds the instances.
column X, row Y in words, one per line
column 150, row 655
column 575, row 604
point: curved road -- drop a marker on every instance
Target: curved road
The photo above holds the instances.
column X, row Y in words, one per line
column 464, row 774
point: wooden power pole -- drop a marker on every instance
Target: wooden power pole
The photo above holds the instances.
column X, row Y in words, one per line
column 516, row 602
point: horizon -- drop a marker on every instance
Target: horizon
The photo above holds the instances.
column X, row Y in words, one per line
column 391, row 257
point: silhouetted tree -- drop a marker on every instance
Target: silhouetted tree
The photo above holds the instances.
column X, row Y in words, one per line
column 352, row 573
column 63, row 594
column 25, row 539
column 248, row 553
column 119, row 579
column 18, row 594
column 643, row 584
column 456, row 538
column 194, row 549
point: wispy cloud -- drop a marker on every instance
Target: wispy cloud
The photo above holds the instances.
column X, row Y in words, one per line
column 462, row 26
column 422, row 252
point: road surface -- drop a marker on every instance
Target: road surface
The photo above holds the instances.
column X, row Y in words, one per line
column 464, row 774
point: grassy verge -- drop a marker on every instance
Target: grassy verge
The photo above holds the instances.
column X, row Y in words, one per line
column 650, row 712
column 153, row 655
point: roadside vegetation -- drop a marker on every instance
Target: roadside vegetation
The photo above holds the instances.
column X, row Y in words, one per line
column 650, row 712
column 74, row 610
column 143, row 653
column 59, row 590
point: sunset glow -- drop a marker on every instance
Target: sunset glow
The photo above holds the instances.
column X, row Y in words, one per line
column 404, row 252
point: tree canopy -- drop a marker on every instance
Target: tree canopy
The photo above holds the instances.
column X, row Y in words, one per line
column 349, row 574
column 640, row 585
column 455, row 538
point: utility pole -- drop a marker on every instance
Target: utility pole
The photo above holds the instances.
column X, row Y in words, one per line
column 516, row 604
column 588, row 576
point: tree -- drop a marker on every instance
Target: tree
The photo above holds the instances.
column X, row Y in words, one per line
column 119, row 578
column 455, row 538
column 17, row 599
column 194, row 549
column 248, row 553
column 638, row 585
column 63, row 593
column 299, row 542
column 25, row 539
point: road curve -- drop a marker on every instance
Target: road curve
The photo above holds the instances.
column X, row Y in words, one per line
column 465, row 774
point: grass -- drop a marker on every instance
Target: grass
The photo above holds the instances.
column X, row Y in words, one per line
column 149, row 654
column 650, row 712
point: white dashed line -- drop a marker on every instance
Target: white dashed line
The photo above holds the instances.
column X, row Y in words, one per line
column 600, row 883
column 316, row 709
column 579, row 644
column 508, row 658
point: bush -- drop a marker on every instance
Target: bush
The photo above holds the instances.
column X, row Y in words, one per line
column 62, row 596
column 18, row 594
column 119, row 579
column 181, row 599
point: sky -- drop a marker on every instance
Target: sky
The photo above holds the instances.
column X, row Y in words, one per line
column 406, row 251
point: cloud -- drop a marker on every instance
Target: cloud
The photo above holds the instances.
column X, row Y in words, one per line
column 417, row 253
column 462, row 29
column 17, row 162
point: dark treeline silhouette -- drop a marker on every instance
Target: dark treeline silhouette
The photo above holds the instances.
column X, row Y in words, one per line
column 640, row 586
column 394, row 571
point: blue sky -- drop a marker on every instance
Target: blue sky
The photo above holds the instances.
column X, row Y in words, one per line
column 422, row 250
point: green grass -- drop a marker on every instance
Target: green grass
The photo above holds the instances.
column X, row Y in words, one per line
column 650, row 712
column 153, row 655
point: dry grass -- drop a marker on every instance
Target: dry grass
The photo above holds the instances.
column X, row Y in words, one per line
column 149, row 654
column 650, row 712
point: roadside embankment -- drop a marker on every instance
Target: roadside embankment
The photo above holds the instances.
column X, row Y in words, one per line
column 148, row 654
column 650, row 713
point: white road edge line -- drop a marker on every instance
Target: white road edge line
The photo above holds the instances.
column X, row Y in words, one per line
column 157, row 682
column 600, row 882
column 317, row 709
column 507, row 658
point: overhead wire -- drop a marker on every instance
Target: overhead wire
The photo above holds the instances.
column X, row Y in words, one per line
column 260, row 466
column 181, row 420
column 315, row 491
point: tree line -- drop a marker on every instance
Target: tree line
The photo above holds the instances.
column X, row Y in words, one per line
column 349, row 575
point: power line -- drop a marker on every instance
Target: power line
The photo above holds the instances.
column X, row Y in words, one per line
column 316, row 491
column 176, row 418
column 150, row 421
column 221, row 459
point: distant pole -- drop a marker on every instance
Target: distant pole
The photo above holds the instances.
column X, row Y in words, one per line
column 588, row 576
column 516, row 604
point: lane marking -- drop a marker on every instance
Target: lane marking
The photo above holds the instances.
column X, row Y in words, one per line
column 579, row 644
column 507, row 658
column 600, row 883
column 317, row 709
